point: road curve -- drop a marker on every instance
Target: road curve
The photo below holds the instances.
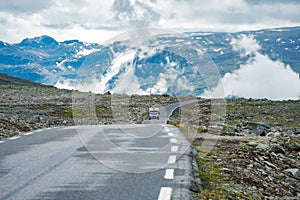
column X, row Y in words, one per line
column 148, row 161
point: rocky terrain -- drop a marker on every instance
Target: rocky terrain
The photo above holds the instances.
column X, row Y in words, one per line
column 256, row 152
column 26, row 106
column 256, row 142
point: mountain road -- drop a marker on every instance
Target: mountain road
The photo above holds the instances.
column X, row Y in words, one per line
column 145, row 161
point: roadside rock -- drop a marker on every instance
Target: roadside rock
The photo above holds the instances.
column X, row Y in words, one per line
column 254, row 125
column 262, row 146
column 260, row 167
column 276, row 148
column 252, row 144
column 274, row 134
column 294, row 172
column 259, row 131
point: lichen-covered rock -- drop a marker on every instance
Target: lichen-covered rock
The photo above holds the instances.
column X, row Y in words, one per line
column 276, row 148
column 262, row 146
column 294, row 172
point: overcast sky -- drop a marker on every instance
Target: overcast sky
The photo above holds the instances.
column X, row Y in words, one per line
column 97, row 20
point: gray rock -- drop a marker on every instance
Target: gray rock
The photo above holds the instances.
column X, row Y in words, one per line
column 255, row 125
column 252, row 135
column 273, row 129
column 252, row 144
column 276, row 148
column 294, row 171
column 262, row 146
column 295, row 146
column 290, row 132
column 259, row 131
column 273, row 134
column 246, row 132
column 281, row 155
column 270, row 164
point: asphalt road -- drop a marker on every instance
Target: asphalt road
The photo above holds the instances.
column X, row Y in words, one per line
column 126, row 162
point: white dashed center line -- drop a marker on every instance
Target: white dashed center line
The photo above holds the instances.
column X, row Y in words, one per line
column 165, row 193
column 170, row 134
column 172, row 159
column 173, row 140
column 169, row 174
column 174, row 148
column 1, row 142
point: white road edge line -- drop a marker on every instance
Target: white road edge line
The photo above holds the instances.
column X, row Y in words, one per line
column 165, row 193
column 1, row 142
column 169, row 174
column 174, row 148
column 40, row 130
column 29, row 133
column 15, row 137
column 173, row 140
column 172, row 159
column 170, row 134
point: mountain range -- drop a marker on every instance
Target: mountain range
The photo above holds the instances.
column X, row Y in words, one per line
column 158, row 66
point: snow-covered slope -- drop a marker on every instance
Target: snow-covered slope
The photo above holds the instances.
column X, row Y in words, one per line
column 162, row 64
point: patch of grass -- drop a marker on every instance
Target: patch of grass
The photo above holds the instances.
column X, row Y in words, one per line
column 202, row 129
column 214, row 181
column 286, row 113
column 174, row 123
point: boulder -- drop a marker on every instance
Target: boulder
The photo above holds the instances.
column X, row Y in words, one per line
column 276, row 148
column 294, row 171
column 290, row 132
column 262, row 146
column 273, row 134
column 259, row 131
column 252, row 144
column 254, row 125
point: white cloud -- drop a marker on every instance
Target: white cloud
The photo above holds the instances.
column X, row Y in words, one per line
column 24, row 6
column 18, row 28
column 246, row 45
column 260, row 78
column 228, row 15
column 128, row 84
column 161, row 87
column 135, row 13
column 122, row 61
column 64, row 85
column 85, row 19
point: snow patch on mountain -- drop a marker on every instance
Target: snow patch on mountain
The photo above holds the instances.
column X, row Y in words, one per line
column 167, row 63
column 86, row 52
column 60, row 65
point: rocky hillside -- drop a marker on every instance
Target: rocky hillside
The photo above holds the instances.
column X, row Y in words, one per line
column 25, row 106
column 255, row 148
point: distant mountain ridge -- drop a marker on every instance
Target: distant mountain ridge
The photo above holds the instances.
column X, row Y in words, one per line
column 10, row 80
column 44, row 60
